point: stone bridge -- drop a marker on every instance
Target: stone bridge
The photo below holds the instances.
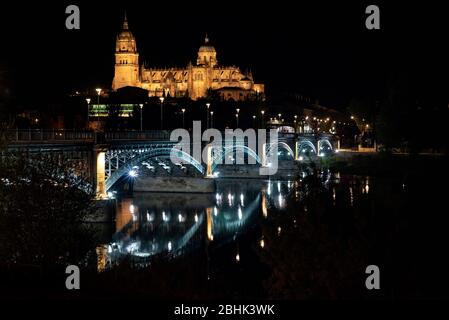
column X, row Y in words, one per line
column 105, row 157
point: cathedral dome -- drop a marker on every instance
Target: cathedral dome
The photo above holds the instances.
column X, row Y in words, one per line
column 125, row 35
column 206, row 47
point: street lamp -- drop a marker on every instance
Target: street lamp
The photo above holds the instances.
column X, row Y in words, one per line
column 87, row 119
column 141, row 117
column 262, row 118
column 183, row 113
column 211, row 119
column 162, row 119
column 254, row 120
column 207, row 115
column 98, row 103
column 98, row 95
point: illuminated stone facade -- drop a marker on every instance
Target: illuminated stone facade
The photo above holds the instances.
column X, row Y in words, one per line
column 194, row 81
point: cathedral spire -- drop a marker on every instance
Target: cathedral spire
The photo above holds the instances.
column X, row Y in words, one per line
column 206, row 39
column 125, row 23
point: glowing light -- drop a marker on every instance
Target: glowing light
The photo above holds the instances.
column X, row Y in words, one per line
column 179, row 217
column 196, row 217
column 215, row 211
column 367, row 188
column 280, row 200
column 242, row 197
column 218, row 198
column 132, row 173
column 351, row 196
column 279, row 231
column 210, row 227
column 301, row 158
column 264, row 205
column 131, row 208
column 240, row 213
column 237, row 257
column 169, row 246
column 262, row 243
column 230, row 197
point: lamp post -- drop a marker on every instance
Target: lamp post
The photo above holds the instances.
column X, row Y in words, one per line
column 162, row 119
column 263, row 118
column 254, row 120
column 98, row 104
column 141, row 117
column 87, row 119
column 183, row 114
column 211, row 119
column 207, row 115
column 237, row 116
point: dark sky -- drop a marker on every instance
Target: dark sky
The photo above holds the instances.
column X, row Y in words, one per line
column 322, row 50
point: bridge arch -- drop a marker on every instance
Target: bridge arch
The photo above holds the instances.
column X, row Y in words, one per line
column 222, row 153
column 282, row 145
column 152, row 153
column 325, row 142
column 306, row 143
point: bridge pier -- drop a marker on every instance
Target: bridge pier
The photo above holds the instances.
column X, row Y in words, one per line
column 100, row 172
column 209, row 173
column 264, row 155
column 297, row 150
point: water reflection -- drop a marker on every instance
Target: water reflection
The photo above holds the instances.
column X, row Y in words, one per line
column 149, row 224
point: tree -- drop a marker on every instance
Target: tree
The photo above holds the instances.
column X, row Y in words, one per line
column 42, row 208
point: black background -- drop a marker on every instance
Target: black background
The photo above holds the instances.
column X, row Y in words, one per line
column 321, row 50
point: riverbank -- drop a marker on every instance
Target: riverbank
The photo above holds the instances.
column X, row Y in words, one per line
column 385, row 164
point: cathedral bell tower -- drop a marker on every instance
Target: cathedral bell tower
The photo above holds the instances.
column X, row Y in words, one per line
column 126, row 59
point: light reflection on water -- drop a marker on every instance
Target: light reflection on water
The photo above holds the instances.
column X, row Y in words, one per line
column 170, row 224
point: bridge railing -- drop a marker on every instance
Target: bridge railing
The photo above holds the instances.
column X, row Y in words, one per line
column 138, row 135
column 30, row 135
column 54, row 135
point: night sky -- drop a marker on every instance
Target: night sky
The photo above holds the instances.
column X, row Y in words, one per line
column 321, row 50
